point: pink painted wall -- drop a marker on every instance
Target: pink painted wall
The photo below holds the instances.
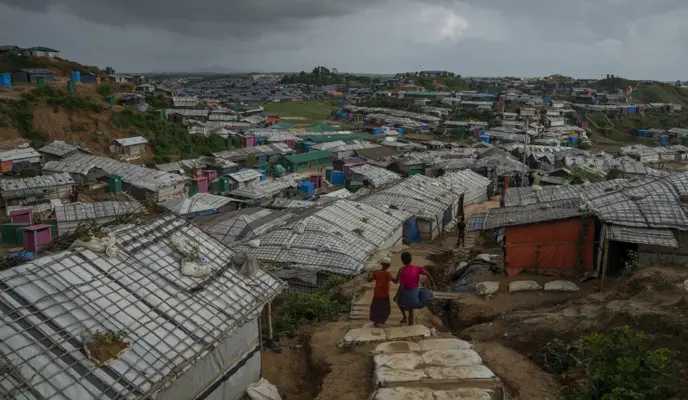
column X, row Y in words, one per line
column 36, row 236
column 202, row 183
column 21, row 216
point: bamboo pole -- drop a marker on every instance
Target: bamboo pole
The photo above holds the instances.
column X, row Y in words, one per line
column 270, row 336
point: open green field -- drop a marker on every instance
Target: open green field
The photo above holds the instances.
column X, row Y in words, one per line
column 303, row 113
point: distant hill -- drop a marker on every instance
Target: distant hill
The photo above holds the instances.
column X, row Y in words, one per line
column 59, row 66
column 655, row 92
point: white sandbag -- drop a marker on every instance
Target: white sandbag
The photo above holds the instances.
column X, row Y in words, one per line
column 194, row 270
column 524, row 286
column 561, row 286
column 193, row 264
column 110, row 243
column 487, row 288
column 263, row 390
column 94, row 245
column 255, row 243
column 299, row 227
column 249, row 266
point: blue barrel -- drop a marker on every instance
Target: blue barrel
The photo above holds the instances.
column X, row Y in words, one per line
column 6, row 80
column 664, row 139
column 76, row 76
column 307, row 187
column 261, row 139
column 338, row 177
column 548, row 99
column 400, row 130
column 573, row 139
column 484, row 138
column 307, row 146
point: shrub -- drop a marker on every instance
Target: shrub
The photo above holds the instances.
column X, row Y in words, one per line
column 167, row 138
column 301, row 309
column 106, row 89
column 621, row 365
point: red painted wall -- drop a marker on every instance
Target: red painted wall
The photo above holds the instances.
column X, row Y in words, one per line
column 550, row 247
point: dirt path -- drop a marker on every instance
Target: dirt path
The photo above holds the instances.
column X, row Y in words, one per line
column 422, row 254
column 313, row 367
column 522, row 379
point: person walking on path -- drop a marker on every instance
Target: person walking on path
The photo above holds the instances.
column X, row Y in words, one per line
column 380, row 307
column 408, row 295
column 461, row 231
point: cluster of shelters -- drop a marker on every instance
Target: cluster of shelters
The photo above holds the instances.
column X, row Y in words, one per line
column 591, row 227
column 181, row 337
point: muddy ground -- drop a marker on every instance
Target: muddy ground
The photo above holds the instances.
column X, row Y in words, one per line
column 509, row 331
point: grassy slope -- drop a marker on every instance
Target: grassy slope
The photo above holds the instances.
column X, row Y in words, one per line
column 60, row 67
column 307, row 112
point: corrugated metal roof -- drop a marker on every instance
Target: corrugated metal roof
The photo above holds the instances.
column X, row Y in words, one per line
column 19, row 154
column 104, row 209
column 36, row 182
column 131, row 141
column 196, row 203
column 49, row 305
column 656, row 237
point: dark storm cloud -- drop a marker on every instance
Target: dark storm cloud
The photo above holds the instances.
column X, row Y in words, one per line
column 201, row 17
column 583, row 38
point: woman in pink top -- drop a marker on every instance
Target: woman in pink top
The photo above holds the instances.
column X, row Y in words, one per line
column 407, row 297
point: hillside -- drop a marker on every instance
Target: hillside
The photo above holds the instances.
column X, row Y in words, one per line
column 41, row 115
column 60, row 67
column 656, row 92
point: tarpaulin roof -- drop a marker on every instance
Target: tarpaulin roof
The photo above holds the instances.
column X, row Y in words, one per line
column 337, row 238
column 49, row 307
column 657, row 237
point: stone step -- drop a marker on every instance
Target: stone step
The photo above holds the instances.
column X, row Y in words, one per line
column 373, row 335
column 421, row 393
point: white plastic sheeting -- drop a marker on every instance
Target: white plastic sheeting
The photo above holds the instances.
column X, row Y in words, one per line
column 263, row 390
column 472, row 185
column 338, row 238
column 176, row 324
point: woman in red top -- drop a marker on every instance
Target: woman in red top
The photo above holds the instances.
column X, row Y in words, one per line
column 381, row 307
column 408, row 296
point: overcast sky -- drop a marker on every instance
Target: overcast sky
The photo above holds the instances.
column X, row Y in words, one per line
column 582, row 38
